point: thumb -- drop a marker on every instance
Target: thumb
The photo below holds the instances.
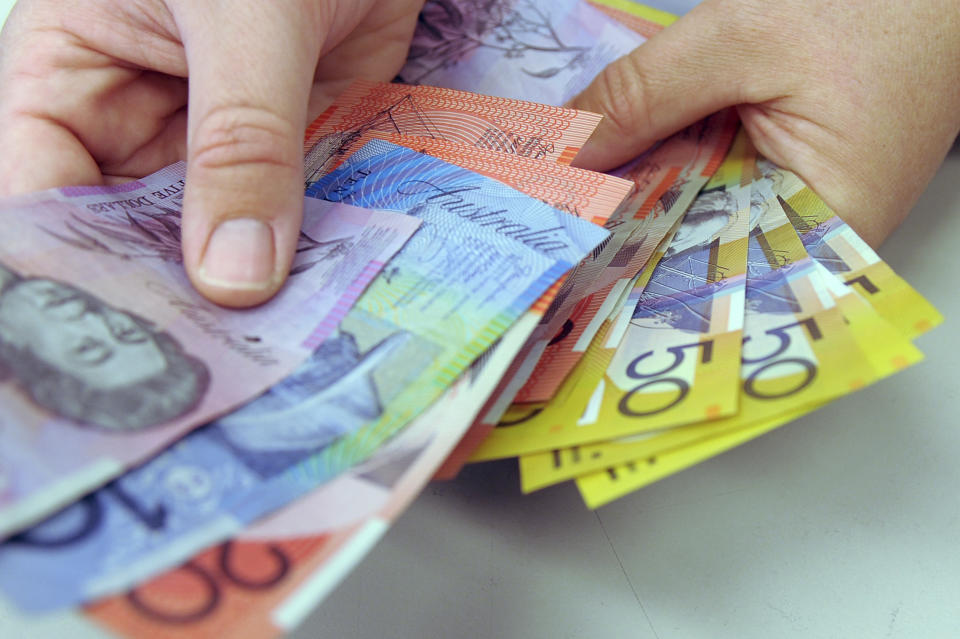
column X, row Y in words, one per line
column 251, row 66
column 684, row 73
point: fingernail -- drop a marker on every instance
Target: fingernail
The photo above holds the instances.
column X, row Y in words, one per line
column 240, row 255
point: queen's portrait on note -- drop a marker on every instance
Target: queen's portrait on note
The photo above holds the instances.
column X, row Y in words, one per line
column 709, row 214
column 84, row 360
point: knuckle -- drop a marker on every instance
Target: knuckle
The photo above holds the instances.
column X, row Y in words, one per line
column 625, row 87
column 239, row 135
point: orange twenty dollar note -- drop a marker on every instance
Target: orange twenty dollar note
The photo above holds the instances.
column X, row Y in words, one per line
column 515, row 127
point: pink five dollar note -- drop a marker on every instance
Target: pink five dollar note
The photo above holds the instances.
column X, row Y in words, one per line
column 328, row 532
column 292, row 560
column 107, row 352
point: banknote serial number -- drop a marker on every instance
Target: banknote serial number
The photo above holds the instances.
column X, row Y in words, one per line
column 525, row 146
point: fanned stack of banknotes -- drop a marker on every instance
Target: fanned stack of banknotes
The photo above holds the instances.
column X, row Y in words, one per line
column 460, row 293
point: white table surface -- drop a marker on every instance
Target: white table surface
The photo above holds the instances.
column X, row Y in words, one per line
column 845, row 523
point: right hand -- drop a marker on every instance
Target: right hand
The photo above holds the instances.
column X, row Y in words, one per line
column 861, row 99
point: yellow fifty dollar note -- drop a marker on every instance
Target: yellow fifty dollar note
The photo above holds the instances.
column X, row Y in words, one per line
column 677, row 359
column 835, row 245
column 679, row 362
column 521, row 425
column 869, row 349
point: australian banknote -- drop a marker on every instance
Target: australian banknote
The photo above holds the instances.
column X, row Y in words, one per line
column 446, row 124
column 515, row 127
column 681, row 330
column 591, row 235
column 799, row 350
column 641, row 376
column 880, row 332
column 529, row 50
column 467, row 274
column 585, row 194
column 310, row 545
column 887, row 349
column 348, row 514
column 652, row 177
column 109, row 352
column 838, row 248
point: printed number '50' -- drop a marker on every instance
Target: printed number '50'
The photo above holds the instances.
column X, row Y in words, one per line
column 783, row 343
column 656, row 377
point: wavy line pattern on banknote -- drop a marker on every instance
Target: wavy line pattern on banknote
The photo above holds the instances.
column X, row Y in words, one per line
column 583, row 237
column 586, row 194
column 513, row 127
column 594, row 196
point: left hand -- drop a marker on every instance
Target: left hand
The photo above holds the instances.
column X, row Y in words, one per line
column 96, row 92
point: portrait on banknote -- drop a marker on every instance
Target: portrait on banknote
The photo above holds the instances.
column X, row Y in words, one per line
column 679, row 294
column 80, row 358
column 812, row 233
column 708, row 215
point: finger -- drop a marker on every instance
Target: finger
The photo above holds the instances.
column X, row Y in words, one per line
column 40, row 154
column 684, row 73
column 376, row 50
column 169, row 145
column 69, row 111
column 40, row 149
column 251, row 66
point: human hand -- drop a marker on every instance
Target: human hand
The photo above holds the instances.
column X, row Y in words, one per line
column 861, row 99
column 95, row 92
